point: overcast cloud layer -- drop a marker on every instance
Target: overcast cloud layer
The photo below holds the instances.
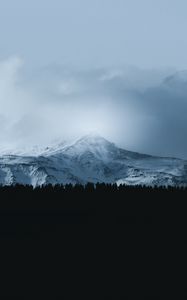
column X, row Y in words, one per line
column 146, row 33
column 70, row 67
column 140, row 110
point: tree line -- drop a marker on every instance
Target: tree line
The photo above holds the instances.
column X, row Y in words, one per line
column 91, row 187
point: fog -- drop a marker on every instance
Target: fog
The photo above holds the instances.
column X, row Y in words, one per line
column 139, row 109
column 115, row 67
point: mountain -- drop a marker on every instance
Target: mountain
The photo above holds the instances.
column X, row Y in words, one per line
column 177, row 82
column 179, row 76
column 90, row 159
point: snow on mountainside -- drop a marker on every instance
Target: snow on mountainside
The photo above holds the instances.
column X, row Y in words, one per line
column 90, row 159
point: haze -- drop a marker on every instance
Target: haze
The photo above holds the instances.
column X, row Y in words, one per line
column 116, row 67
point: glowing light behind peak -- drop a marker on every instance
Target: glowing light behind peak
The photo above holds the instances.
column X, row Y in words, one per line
column 80, row 119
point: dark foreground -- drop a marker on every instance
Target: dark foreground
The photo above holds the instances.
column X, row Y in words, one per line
column 103, row 243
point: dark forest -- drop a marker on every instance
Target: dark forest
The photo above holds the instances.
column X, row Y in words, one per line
column 100, row 241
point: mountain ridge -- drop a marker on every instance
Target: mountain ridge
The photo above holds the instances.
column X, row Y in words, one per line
column 91, row 158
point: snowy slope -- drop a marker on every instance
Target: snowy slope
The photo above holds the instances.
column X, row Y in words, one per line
column 90, row 159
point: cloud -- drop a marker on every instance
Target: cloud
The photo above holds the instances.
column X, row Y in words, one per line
column 141, row 110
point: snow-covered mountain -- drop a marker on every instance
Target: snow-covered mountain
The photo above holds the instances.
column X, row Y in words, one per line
column 90, row 159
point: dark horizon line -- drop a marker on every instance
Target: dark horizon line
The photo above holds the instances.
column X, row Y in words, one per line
column 92, row 187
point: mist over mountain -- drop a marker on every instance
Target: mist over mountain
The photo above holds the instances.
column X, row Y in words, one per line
column 118, row 68
column 140, row 110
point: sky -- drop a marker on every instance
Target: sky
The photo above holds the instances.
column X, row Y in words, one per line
column 117, row 67
column 146, row 33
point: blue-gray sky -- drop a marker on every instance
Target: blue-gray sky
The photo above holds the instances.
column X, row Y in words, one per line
column 145, row 33
column 112, row 66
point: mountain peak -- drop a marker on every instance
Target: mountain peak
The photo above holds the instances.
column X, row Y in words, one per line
column 93, row 138
column 177, row 78
column 92, row 143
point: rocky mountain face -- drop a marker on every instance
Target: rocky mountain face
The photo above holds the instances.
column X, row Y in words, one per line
column 90, row 159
